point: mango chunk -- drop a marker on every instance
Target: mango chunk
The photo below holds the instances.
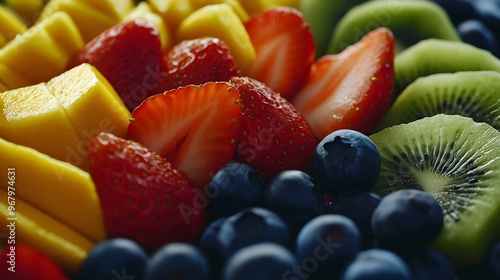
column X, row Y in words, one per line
column 43, row 51
column 92, row 106
column 34, row 228
column 172, row 11
column 27, row 9
column 256, row 6
column 12, row 79
column 56, row 188
column 10, row 24
column 220, row 21
column 3, row 87
column 234, row 4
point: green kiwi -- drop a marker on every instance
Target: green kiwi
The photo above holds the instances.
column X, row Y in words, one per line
column 410, row 21
column 457, row 161
column 433, row 56
column 473, row 94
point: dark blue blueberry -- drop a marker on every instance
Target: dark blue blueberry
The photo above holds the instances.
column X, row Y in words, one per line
column 493, row 261
column 293, row 195
column 346, row 160
column 377, row 264
column 235, row 187
column 114, row 258
column 488, row 11
column 324, row 246
column 265, row 261
column 251, row 226
column 458, row 10
column 474, row 32
column 428, row 264
column 177, row 261
column 358, row 206
column 406, row 220
column 211, row 247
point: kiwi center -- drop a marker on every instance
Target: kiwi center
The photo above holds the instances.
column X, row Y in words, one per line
column 432, row 182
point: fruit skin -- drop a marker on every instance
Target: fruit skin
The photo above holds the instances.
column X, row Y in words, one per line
column 129, row 55
column 346, row 160
column 115, row 256
column 32, row 264
column 377, row 264
column 198, row 61
column 476, row 33
column 212, row 248
column 143, row 196
column 429, row 263
column 284, row 47
column 196, row 128
column 351, row 89
column 275, row 136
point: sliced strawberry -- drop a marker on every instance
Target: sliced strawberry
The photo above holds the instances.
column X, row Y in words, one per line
column 199, row 61
column 352, row 89
column 143, row 197
column 130, row 57
column 285, row 49
column 275, row 136
column 194, row 127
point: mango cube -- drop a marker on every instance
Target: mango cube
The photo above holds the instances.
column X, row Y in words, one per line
column 235, row 4
column 10, row 24
column 173, row 12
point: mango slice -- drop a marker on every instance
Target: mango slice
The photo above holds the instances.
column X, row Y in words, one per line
column 256, row 6
column 173, row 12
column 220, row 21
column 43, row 51
column 12, row 79
column 34, row 228
column 56, row 188
column 27, row 9
column 234, row 4
column 10, row 24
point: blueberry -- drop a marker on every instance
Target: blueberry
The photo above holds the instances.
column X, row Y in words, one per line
column 377, row 264
column 346, row 160
column 406, row 220
column 428, row 264
column 114, row 258
column 293, row 195
column 177, row 261
column 458, row 10
column 235, row 187
column 265, row 261
column 211, row 247
column 325, row 245
column 493, row 261
column 358, row 206
column 474, row 32
column 251, row 226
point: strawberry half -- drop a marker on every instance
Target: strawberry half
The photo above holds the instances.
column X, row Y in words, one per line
column 351, row 89
column 143, row 197
column 194, row 127
column 130, row 57
column 285, row 49
column 275, row 136
column 199, row 61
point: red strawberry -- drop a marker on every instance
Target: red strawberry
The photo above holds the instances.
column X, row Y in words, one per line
column 194, row 127
column 351, row 89
column 285, row 49
column 143, row 196
column 28, row 263
column 199, row 61
column 130, row 57
column 275, row 136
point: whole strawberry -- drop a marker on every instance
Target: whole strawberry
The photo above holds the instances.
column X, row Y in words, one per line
column 275, row 136
column 130, row 57
column 143, row 197
column 198, row 61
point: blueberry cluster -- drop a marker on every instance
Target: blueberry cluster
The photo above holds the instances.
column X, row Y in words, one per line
column 477, row 21
column 325, row 225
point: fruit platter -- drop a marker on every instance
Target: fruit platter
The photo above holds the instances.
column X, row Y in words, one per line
column 249, row 139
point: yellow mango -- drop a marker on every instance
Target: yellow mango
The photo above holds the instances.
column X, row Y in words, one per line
column 43, row 51
column 3, row 87
column 256, row 6
column 116, row 9
column 56, row 188
column 173, row 12
column 235, row 4
column 220, row 21
column 92, row 106
column 34, row 228
column 143, row 10
column 27, row 9
column 12, row 79
column 10, row 24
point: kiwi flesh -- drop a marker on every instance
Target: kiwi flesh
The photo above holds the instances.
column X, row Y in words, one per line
column 457, row 161
column 474, row 94
column 433, row 56
column 410, row 21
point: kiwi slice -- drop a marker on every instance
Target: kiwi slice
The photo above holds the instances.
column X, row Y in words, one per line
column 433, row 56
column 457, row 161
column 473, row 94
column 410, row 21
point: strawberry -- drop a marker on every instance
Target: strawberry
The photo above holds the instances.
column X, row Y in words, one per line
column 275, row 136
column 143, row 197
column 194, row 127
column 285, row 49
column 199, row 61
column 130, row 57
column 22, row 261
column 351, row 89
